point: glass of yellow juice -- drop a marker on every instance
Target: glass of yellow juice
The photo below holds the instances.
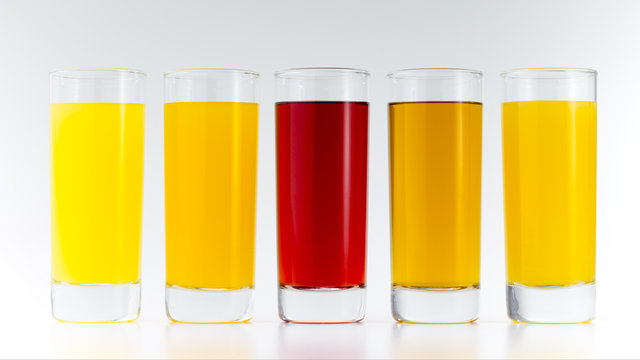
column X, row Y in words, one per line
column 549, row 159
column 211, row 150
column 435, row 155
column 97, row 147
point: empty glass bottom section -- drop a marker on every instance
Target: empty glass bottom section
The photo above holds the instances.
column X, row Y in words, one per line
column 95, row 303
column 321, row 305
column 551, row 304
column 197, row 305
column 435, row 305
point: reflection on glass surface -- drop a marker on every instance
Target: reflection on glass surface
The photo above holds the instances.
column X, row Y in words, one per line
column 226, row 341
column 550, row 340
column 109, row 341
column 435, row 341
column 340, row 341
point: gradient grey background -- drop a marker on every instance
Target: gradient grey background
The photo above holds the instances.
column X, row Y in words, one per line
column 379, row 36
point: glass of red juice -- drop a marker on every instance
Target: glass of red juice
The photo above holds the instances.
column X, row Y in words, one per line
column 322, row 131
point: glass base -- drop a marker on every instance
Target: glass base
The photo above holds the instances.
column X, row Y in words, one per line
column 551, row 304
column 435, row 305
column 321, row 305
column 95, row 303
column 195, row 305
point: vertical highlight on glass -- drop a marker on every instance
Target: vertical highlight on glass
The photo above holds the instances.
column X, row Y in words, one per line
column 211, row 151
column 435, row 156
column 549, row 158
column 97, row 149
column 322, row 120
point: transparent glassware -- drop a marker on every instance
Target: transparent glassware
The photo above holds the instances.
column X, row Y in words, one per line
column 435, row 156
column 549, row 160
column 97, row 149
column 322, row 118
column 211, row 150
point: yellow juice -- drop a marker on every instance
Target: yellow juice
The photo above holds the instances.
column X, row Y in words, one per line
column 96, row 192
column 435, row 159
column 210, row 193
column 549, row 153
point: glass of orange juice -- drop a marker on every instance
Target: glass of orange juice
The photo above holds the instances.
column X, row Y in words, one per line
column 435, row 153
column 549, row 159
column 97, row 146
column 211, row 149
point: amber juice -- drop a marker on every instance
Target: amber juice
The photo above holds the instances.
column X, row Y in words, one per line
column 435, row 159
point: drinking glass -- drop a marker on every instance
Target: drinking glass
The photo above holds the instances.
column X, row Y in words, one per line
column 97, row 147
column 549, row 159
column 435, row 155
column 211, row 150
column 322, row 119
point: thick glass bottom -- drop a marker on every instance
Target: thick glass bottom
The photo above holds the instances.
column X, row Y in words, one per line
column 435, row 305
column 321, row 305
column 196, row 305
column 95, row 303
column 551, row 304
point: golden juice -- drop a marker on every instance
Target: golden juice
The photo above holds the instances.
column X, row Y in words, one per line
column 210, row 193
column 549, row 150
column 435, row 158
column 96, row 192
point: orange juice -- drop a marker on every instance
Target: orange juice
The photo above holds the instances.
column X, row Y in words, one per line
column 210, row 193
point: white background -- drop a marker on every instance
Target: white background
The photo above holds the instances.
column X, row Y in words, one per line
column 157, row 36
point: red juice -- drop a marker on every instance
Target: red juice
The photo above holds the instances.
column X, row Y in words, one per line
column 322, row 192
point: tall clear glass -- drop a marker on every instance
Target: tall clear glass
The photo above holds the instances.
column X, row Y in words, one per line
column 549, row 159
column 322, row 120
column 435, row 155
column 211, row 151
column 97, row 148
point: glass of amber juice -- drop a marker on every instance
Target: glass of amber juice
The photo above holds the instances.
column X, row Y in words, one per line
column 211, row 150
column 549, row 159
column 435, row 153
column 97, row 146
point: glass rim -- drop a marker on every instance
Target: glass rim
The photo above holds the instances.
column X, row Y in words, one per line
column 426, row 73
column 74, row 72
column 548, row 73
column 319, row 72
column 176, row 74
